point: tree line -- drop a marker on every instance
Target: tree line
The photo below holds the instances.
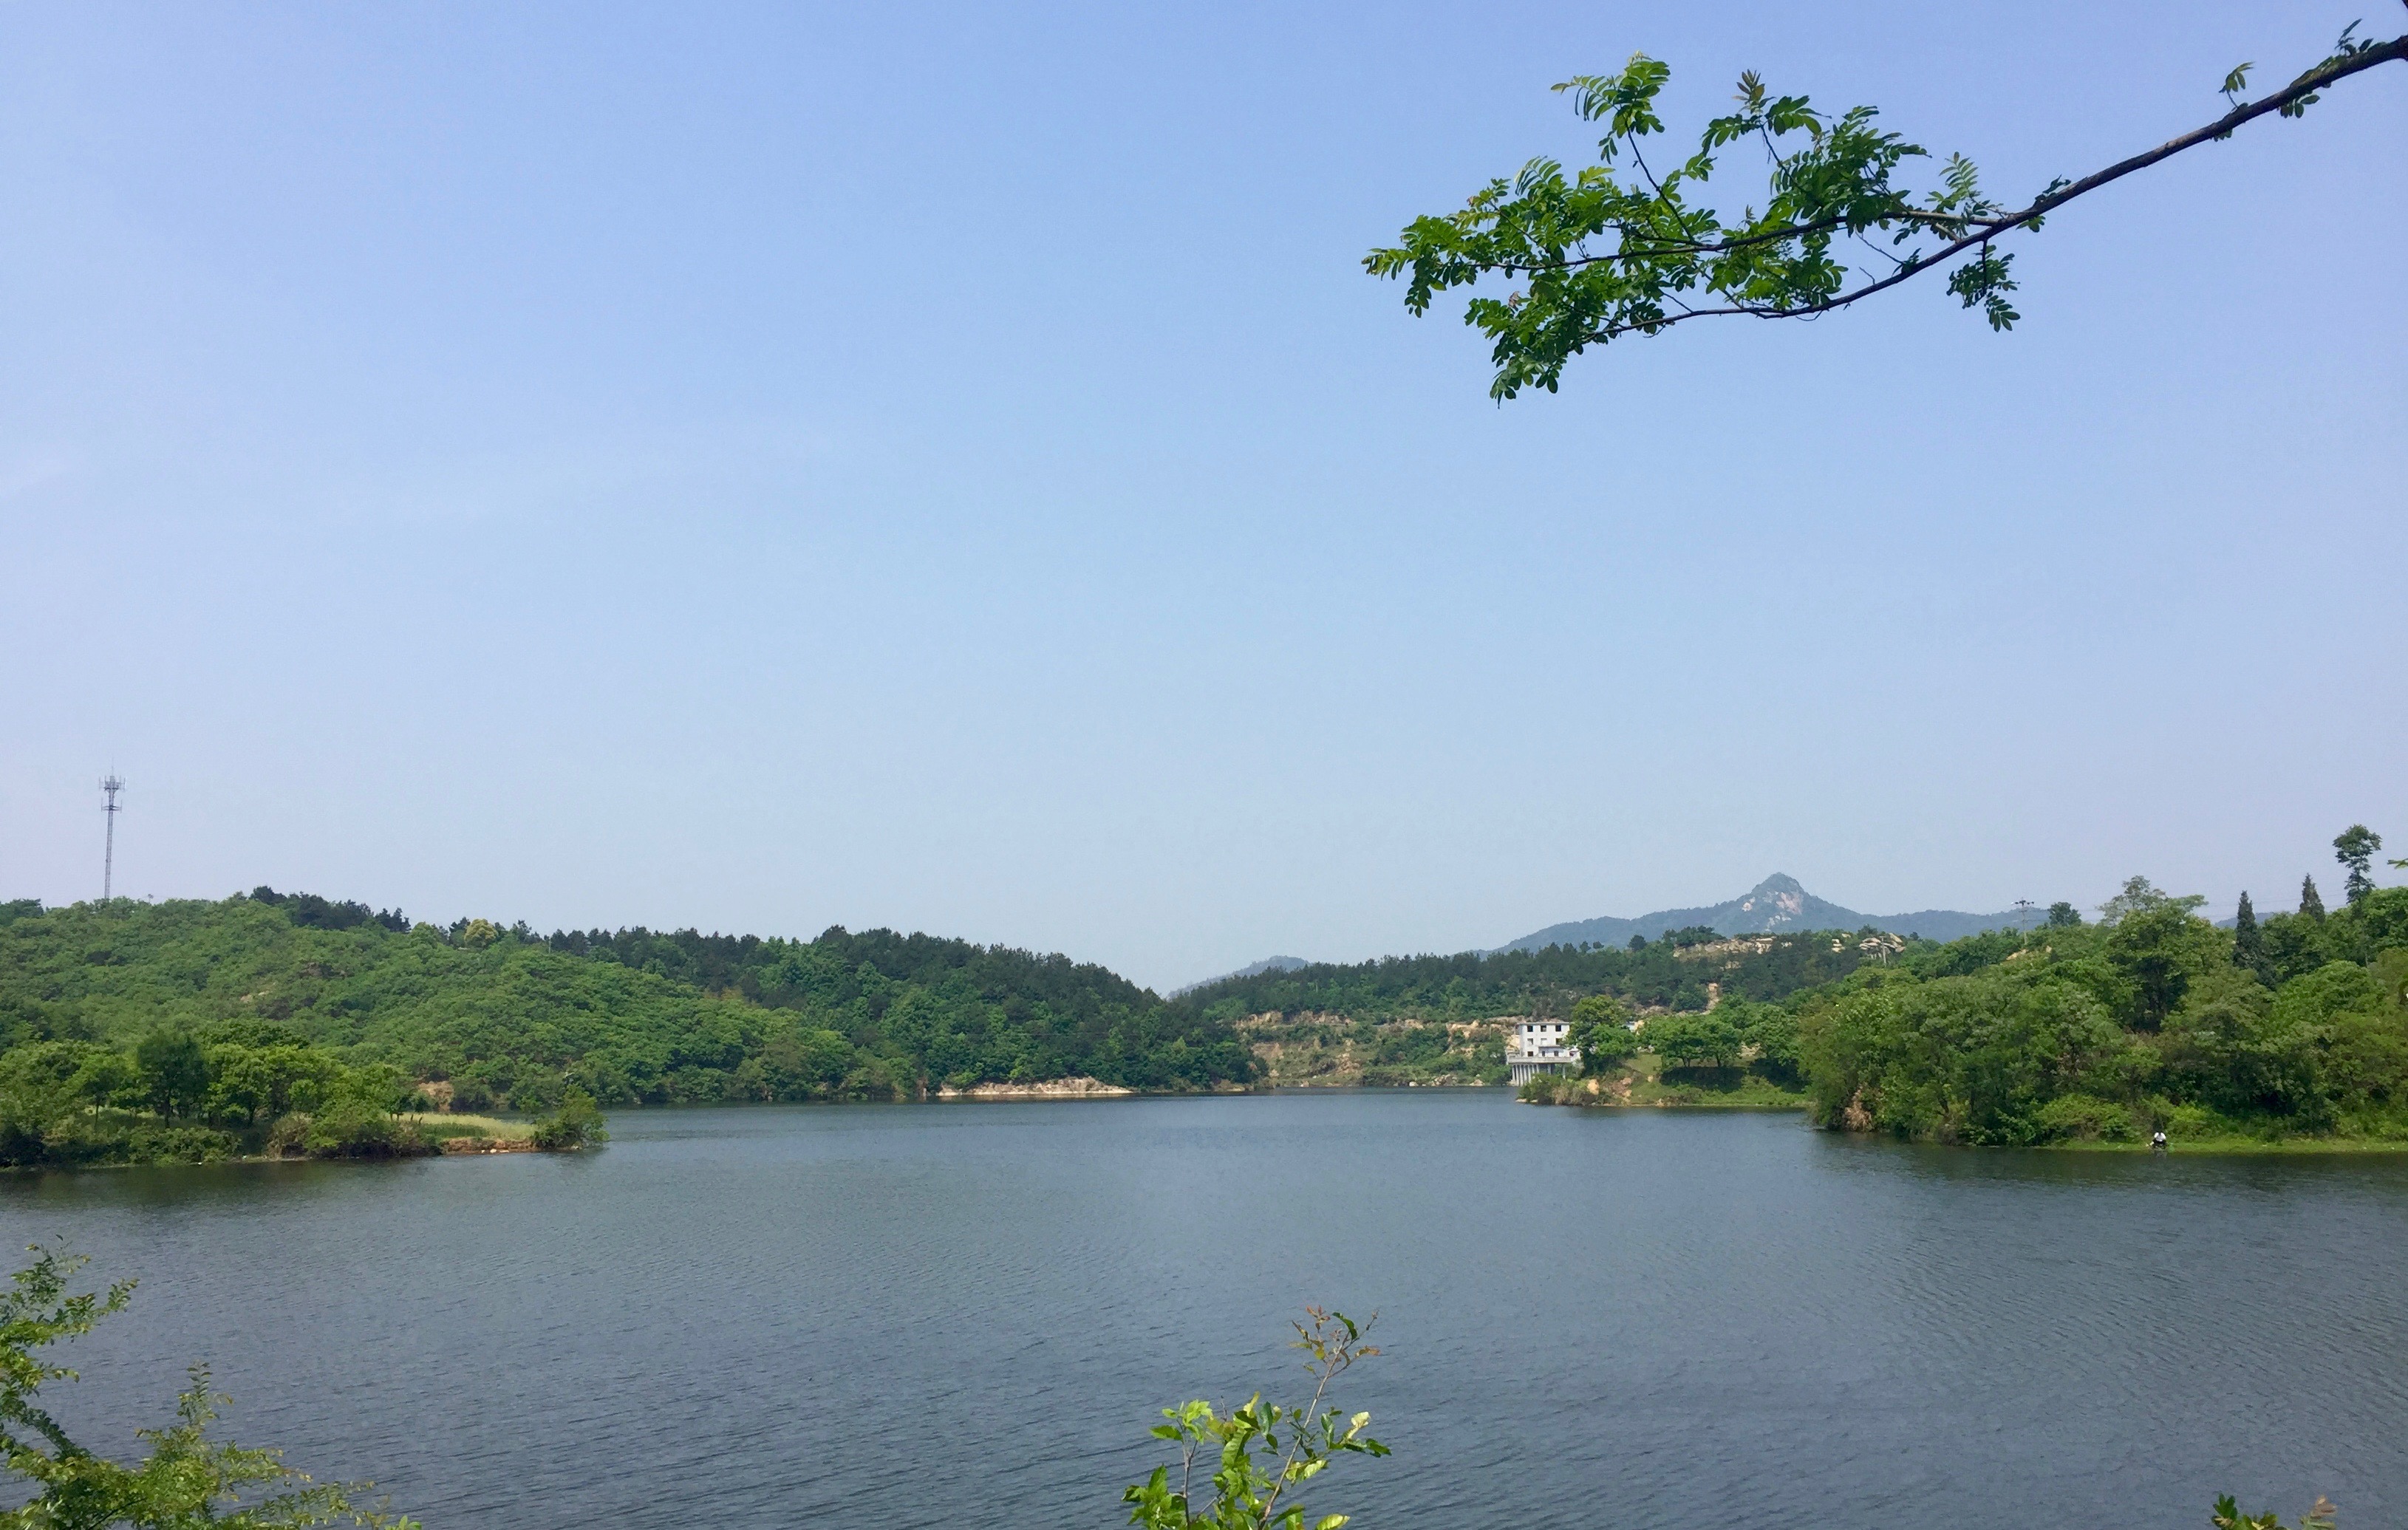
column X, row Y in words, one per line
column 327, row 1000
column 1672, row 972
column 2148, row 1018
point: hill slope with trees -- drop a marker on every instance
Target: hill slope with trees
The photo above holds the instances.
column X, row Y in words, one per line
column 487, row 1016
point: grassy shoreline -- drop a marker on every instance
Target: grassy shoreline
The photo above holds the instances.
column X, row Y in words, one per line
column 1644, row 1083
column 1642, row 1087
column 2240, row 1146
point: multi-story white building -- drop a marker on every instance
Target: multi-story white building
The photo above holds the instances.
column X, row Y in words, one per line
column 1536, row 1047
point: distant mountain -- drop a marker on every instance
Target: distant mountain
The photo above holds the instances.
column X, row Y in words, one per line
column 1252, row 969
column 1776, row 903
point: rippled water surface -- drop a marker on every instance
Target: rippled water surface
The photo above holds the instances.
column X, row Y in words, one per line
column 964, row 1314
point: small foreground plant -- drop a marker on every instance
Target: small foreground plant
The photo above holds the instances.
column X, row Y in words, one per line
column 1295, row 1445
column 2228, row 1516
column 187, row 1479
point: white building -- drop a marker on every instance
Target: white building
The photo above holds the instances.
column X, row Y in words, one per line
column 1536, row 1047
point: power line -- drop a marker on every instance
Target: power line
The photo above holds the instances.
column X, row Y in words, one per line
column 111, row 783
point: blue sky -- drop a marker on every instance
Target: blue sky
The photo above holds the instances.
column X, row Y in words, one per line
column 762, row 467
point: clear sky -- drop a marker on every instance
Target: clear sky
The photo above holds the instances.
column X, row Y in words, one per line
column 767, row 467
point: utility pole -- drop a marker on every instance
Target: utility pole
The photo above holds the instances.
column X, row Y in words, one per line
column 111, row 783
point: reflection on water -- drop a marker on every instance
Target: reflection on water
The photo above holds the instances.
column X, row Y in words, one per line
column 966, row 1313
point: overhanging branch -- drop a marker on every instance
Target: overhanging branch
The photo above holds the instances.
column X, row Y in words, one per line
column 1983, row 230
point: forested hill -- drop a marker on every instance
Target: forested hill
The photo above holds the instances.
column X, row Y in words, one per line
column 1670, row 973
column 508, row 1017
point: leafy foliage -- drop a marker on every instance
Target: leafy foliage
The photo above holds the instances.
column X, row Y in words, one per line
column 1601, row 1030
column 577, row 1124
column 1624, row 248
column 1251, row 1491
column 2355, row 848
column 187, row 1479
column 1253, row 1471
column 2228, row 1516
column 2155, row 1020
column 195, row 1097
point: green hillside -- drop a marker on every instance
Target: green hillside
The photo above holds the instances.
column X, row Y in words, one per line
column 505, row 1017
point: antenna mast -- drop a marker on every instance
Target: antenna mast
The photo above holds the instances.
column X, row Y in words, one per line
column 111, row 783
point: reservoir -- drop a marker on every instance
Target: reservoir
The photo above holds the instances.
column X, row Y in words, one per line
column 893, row 1316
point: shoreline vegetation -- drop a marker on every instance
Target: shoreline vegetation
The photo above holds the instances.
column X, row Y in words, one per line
column 197, row 1031
column 2288, row 1035
column 274, row 1024
column 348, row 1128
column 1647, row 1082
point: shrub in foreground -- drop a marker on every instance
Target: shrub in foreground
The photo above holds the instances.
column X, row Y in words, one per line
column 1295, row 1445
column 187, row 1479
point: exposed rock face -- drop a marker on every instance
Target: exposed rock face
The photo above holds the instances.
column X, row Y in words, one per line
column 1323, row 1049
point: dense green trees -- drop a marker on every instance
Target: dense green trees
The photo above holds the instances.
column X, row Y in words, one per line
column 174, row 1072
column 195, row 1095
column 2156, row 1020
column 1600, row 1029
column 1707, row 1040
column 577, row 1124
column 220, row 1017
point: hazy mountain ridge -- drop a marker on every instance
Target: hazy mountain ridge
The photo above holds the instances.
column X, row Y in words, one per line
column 1778, row 903
column 1252, row 969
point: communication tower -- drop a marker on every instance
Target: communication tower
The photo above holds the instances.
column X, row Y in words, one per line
column 111, row 784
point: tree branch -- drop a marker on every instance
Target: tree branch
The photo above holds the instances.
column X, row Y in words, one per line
column 2307, row 84
column 1985, row 230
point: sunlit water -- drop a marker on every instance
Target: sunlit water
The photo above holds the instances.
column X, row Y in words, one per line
column 966, row 1314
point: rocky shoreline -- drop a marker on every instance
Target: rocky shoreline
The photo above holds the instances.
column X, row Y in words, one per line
column 1050, row 1089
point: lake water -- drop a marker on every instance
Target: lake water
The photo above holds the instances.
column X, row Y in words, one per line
column 966, row 1314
